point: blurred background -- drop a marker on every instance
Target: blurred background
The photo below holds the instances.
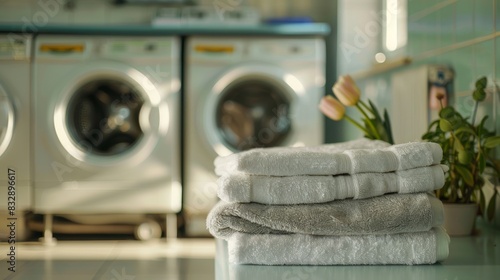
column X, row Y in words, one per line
column 122, row 106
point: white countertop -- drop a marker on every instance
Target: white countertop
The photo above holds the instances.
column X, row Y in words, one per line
column 474, row 257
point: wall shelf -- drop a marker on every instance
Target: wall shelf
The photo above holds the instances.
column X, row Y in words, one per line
column 311, row 29
column 382, row 67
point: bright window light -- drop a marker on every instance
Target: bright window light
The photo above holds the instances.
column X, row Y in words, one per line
column 396, row 30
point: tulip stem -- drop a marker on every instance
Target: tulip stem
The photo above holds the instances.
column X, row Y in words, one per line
column 357, row 124
column 369, row 122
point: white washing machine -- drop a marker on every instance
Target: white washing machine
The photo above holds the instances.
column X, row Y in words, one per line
column 242, row 93
column 15, row 161
column 106, row 125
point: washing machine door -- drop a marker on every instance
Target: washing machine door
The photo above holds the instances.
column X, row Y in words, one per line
column 6, row 121
column 249, row 107
column 110, row 115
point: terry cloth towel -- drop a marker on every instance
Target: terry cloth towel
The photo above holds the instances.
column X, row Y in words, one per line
column 330, row 159
column 241, row 187
column 297, row 249
column 387, row 214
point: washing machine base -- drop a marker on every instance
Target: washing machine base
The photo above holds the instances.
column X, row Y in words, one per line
column 147, row 229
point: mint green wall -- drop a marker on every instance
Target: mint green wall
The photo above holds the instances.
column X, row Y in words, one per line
column 462, row 33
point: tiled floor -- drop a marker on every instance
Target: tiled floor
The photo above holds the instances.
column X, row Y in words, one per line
column 186, row 259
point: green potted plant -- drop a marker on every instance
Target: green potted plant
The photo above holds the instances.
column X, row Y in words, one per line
column 467, row 150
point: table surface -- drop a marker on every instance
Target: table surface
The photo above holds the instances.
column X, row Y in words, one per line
column 472, row 257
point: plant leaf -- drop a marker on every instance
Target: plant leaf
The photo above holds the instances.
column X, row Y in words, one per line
column 447, row 112
column 465, row 157
column 457, row 121
column 436, row 122
column 492, row 142
column 465, row 129
column 482, row 203
column 445, row 125
column 375, row 111
column 387, row 124
column 369, row 131
column 482, row 162
column 457, row 144
column 484, row 120
column 481, row 82
column 465, row 174
column 428, row 135
column 382, row 131
column 491, row 206
column 479, row 94
column 480, row 128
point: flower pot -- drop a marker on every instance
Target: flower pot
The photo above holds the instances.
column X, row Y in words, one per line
column 459, row 218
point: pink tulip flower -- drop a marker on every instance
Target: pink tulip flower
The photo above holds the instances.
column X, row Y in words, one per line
column 346, row 91
column 332, row 108
column 373, row 125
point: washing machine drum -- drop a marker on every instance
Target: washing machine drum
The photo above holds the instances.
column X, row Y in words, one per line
column 253, row 113
column 103, row 117
column 6, row 121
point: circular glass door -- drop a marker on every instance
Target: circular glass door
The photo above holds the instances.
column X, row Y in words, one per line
column 6, row 121
column 253, row 113
column 103, row 117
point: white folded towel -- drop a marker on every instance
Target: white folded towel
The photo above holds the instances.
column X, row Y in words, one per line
column 242, row 187
column 342, row 158
column 298, row 249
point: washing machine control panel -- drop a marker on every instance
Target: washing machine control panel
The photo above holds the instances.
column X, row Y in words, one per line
column 218, row 51
column 291, row 50
column 121, row 49
column 14, row 48
column 136, row 48
column 260, row 49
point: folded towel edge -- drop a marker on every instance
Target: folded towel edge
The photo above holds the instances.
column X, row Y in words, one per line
column 442, row 244
column 436, row 210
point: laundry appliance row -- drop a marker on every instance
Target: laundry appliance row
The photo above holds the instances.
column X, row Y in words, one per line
column 109, row 125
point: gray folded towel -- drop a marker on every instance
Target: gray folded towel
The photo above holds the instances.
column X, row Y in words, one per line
column 341, row 158
column 395, row 213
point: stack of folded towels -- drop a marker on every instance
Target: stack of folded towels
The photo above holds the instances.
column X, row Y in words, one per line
column 356, row 202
